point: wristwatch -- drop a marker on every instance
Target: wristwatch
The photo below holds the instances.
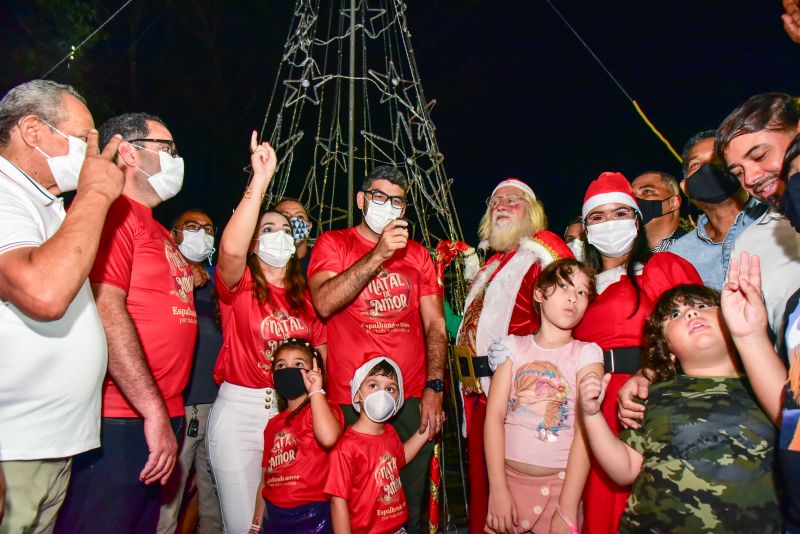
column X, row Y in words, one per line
column 435, row 384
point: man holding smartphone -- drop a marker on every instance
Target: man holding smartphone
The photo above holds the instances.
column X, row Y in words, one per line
column 377, row 290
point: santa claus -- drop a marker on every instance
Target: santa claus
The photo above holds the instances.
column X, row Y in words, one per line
column 514, row 228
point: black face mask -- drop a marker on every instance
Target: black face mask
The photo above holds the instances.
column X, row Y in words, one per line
column 289, row 382
column 652, row 209
column 711, row 184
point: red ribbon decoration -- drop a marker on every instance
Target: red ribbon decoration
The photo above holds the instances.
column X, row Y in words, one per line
column 434, row 521
column 446, row 252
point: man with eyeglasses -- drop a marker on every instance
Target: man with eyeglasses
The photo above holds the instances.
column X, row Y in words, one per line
column 500, row 302
column 53, row 346
column 143, row 287
column 194, row 233
column 378, row 293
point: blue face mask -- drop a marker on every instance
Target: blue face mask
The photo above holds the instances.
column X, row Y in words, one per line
column 300, row 229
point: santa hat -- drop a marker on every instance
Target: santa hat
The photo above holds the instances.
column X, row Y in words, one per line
column 362, row 372
column 515, row 182
column 609, row 188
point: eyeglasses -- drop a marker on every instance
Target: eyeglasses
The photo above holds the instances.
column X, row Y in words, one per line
column 380, row 198
column 168, row 145
column 508, row 200
column 195, row 227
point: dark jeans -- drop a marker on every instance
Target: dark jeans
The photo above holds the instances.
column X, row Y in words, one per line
column 312, row 518
column 105, row 494
column 414, row 475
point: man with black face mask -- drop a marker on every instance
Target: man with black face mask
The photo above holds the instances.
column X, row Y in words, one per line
column 727, row 211
column 659, row 200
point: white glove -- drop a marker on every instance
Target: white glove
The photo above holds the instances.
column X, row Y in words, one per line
column 498, row 353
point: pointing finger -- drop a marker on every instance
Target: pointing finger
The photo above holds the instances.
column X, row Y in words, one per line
column 92, row 144
column 253, row 141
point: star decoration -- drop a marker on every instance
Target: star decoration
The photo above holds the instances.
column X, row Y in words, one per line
column 389, row 83
column 305, row 87
column 420, row 119
column 333, row 155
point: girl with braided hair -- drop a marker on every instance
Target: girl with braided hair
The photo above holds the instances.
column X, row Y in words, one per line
column 535, row 451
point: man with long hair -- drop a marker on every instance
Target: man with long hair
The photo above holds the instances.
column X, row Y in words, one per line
column 514, row 227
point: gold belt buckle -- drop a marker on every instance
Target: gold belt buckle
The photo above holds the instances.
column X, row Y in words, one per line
column 461, row 359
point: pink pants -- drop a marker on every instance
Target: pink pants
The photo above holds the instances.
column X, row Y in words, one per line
column 536, row 499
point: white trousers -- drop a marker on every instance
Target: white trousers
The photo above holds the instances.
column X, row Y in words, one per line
column 236, row 447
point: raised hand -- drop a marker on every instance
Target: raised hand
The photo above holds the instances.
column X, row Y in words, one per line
column 262, row 158
column 592, row 390
column 312, row 378
column 99, row 173
column 498, row 353
column 394, row 237
column 742, row 304
column 791, row 19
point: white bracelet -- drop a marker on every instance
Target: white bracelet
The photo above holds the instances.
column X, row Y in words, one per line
column 317, row 391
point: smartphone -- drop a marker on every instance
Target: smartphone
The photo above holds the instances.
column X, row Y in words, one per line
column 409, row 226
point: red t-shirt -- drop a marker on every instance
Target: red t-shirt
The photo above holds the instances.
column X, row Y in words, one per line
column 296, row 465
column 137, row 255
column 251, row 332
column 365, row 471
column 384, row 318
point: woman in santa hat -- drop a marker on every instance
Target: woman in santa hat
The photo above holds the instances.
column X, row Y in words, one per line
column 630, row 279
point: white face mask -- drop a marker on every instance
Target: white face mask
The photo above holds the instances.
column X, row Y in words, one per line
column 67, row 168
column 168, row 181
column 379, row 406
column 196, row 246
column 275, row 248
column 379, row 215
column 613, row 238
column 576, row 246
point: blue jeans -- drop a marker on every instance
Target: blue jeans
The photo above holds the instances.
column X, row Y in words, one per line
column 105, row 494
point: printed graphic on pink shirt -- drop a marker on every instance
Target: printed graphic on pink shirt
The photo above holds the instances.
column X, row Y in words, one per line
column 385, row 297
column 541, row 390
column 183, row 283
column 277, row 327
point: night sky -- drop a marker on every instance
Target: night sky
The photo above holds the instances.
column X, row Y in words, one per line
column 517, row 95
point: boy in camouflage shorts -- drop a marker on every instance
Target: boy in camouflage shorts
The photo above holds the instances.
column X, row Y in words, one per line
column 702, row 460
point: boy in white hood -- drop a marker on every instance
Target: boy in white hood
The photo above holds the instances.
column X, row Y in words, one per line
column 364, row 478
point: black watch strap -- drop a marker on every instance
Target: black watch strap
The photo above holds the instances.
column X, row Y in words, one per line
column 435, row 384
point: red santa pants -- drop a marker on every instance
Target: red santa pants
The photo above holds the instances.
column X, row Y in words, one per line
column 475, row 412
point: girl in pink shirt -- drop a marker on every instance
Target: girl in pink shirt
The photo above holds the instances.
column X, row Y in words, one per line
column 536, row 454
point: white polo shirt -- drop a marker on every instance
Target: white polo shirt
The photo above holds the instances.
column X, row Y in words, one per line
column 777, row 245
column 51, row 372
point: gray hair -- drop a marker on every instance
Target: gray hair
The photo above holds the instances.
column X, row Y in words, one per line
column 43, row 98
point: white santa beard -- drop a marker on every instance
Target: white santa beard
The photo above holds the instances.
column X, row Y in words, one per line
column 506, row 235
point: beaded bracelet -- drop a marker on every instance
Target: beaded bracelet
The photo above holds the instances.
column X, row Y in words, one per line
column 317, row 391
